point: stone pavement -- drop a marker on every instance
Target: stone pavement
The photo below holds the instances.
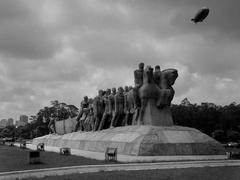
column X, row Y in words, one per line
column 40, row 173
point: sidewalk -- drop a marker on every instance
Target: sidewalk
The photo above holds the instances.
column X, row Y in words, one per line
column 40, row 173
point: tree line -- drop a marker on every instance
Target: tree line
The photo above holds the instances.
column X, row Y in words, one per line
column 219, row 122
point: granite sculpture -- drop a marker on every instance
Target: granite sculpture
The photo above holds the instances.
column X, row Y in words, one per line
column 147, row 103
column 135, row 120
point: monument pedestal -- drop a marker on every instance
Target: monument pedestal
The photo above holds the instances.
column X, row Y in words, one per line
column 139, row 141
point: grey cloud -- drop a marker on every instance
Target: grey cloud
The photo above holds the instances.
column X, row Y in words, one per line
column 107, row 40
column 23, row 35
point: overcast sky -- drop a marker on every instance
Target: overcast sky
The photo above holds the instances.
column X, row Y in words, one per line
column 65, row 49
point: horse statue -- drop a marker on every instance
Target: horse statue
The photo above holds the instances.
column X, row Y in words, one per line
column 155, row 98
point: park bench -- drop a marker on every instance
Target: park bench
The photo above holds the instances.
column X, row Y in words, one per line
column 23, row 145
column 40, row 147
column 111, row 154
column 65, row 151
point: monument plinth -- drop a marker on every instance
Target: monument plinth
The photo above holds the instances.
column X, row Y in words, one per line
column 139, row 141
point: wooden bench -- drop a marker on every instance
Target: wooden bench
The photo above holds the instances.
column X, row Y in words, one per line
column 65, row 151
column 40, row 147
column 111, row 154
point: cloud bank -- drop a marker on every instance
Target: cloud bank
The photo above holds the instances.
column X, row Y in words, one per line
column 56, row 49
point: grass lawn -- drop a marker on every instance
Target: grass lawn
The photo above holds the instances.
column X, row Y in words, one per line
column 14, row 159
column 206, row 173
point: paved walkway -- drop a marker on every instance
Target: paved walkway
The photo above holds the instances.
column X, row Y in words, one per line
column 39, row 173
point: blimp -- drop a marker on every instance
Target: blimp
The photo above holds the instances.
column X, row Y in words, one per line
column 201, row 15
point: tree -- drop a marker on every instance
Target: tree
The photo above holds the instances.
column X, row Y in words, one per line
column 233, row 135
column 8, row 131
column 219, row 135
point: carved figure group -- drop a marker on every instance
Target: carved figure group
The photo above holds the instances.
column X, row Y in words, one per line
column 147, row 103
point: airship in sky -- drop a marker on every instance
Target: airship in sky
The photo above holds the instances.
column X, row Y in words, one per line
column 201, row 15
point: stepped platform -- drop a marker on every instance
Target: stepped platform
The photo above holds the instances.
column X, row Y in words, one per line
column 139, row 141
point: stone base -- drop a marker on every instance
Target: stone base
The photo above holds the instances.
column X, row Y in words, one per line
column 139, row 141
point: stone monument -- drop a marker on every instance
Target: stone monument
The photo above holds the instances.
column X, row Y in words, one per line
column 147, row 107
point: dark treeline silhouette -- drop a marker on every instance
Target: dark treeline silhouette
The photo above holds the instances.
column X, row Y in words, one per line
column 220, row 122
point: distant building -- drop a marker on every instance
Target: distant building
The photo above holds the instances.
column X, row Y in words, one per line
column 3, row 123
column 23, row 120
column 17, row 123
column 10, row 122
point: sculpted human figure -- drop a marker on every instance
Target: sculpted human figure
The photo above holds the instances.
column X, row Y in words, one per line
column 91, row 115
column 107, row 112
column 85, row 123
column 98, row 109
column 138, row 81
column 157, row 75
column 125, row 98
column 82, row 114
column 112, row 101
column 149, row 91
column 51, row 125
column 156, row 100
column 125, row 93
column 129, row 107
column 119, row 108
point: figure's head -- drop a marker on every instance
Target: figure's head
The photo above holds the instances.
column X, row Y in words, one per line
column 141, row 66
column 148, row 74
column 130, row 88
column 126, row 89
column 108, row 91
column 85, row 98
column 149, row 69
column 120, row 90
column 90, row 100
column 157, row 68
column 114, row 90
column 104, row 92
column 170, row 75
column 100, row 92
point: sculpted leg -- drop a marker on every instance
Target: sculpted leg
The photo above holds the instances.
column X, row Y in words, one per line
column 103, row 121
column 114, row 119
column 52, row 129
column 125, row 121
column 142, row 110
column 92, row 123
column 97, row 122
column 136, row 99
column 130, row 118
column 121, row 121
column 77, row 126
